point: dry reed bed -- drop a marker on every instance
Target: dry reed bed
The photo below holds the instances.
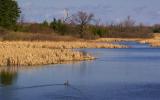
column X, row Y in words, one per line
column 59, row 45
column 154, row 42
column 115, row 39
column 23, row 53
column 37, row 56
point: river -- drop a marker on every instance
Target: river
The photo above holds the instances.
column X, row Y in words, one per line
column 116, row 74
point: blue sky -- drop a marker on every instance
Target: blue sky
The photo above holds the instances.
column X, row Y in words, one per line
column 146, row 11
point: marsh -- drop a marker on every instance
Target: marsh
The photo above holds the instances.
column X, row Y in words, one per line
column 116, row 74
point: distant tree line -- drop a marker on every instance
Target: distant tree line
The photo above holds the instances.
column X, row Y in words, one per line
column 80, row 24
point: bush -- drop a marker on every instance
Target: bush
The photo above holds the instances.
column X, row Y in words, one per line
column 99, row 31
column 2, row 32
column 34, row 28
column 58, row 26
column 156, row 29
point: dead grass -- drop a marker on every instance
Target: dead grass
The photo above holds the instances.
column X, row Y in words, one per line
column 25, row 53
column 154, row 42
column 115, row 39
column 58, row 45
column 38, row 56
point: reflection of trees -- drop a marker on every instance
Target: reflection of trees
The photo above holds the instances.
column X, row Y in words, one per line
column 8, row 75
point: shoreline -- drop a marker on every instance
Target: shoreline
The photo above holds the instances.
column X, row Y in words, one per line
column 153, row 42
column 33, row 53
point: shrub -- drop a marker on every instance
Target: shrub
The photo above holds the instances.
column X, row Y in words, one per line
column 58, row 26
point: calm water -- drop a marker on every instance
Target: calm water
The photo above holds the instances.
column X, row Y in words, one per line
column 116, row 74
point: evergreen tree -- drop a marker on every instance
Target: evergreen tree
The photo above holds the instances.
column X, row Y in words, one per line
column 58, row 26
column 9, row 13
column 54, row 24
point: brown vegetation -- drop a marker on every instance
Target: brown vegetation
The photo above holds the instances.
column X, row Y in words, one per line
column 25, row 53
column 154, row 42
column 37, row 56
column 116, row 39
column 24, row 36
column 59, row 44
column 13, row 56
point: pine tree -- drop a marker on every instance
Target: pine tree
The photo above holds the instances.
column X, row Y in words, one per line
column 9, row 13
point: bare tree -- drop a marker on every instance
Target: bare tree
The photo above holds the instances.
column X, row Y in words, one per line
column 82, row 19
column 21, row 18
column 128, row 22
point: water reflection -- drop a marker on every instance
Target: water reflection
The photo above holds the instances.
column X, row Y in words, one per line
column 8, row 75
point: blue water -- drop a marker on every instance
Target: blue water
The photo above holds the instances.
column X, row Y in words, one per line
column 116, row 74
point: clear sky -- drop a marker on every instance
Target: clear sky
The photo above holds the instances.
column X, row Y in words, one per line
column 146, row 11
